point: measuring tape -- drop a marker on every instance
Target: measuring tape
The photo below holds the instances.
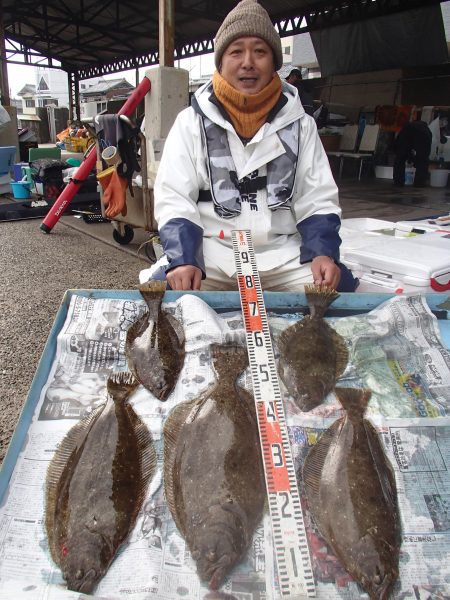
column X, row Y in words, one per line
column 291, row 546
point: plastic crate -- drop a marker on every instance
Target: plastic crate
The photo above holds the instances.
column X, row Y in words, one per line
column 74, row 144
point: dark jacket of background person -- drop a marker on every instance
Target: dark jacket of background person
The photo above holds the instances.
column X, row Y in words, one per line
column 413, row 144
column 295, row 78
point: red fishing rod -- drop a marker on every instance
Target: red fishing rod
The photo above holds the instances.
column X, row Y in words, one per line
column 68, row 193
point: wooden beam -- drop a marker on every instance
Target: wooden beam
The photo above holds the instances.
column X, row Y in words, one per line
column 166, row 32
column 4, row 83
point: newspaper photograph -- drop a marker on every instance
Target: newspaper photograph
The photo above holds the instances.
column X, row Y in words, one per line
column 395, row 350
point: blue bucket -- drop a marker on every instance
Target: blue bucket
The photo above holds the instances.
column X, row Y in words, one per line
column 20, row 189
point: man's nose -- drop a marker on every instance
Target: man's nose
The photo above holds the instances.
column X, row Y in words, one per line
column 248, row 59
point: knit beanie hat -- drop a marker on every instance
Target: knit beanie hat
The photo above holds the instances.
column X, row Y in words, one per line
column 247, row 19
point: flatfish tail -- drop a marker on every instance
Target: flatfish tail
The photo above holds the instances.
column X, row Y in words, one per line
column 229, row 360
column 319, row 298
column 354, row 401
column 153, row 293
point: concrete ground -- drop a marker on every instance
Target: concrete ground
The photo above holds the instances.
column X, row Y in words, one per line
column 36, row 270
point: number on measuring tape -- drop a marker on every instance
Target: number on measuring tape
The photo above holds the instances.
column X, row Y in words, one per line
column 295, row 575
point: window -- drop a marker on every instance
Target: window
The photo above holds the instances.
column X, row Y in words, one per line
column 287, row 50
column 42, row 85
column 47, row 101
column 101, row 106
column 29, row 103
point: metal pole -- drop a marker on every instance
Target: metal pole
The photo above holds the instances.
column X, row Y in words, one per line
column 166, row 32
column 4, row 84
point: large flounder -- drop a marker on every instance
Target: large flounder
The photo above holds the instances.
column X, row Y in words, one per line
column 96, row 483
column 155, row 344
column 312, row 354
column 351, row 492
column 214, row 478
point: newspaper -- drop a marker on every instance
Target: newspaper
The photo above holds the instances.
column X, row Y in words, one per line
column 395, row 350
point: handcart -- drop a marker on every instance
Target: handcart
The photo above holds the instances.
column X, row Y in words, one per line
column 139, row 203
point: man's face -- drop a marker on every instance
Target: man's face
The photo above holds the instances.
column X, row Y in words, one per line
column 293, row 79
column 247, row 64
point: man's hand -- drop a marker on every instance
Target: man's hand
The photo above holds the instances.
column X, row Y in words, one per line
column 325, row 271
column 186, row 277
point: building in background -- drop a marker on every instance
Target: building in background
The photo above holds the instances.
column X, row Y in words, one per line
column 94, row 97
column 51, row 87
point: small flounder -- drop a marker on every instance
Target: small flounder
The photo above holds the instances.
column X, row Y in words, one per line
column 96, row 483
column 155, row 344
column 351, row 492
column 214, row 478
column 312, row 354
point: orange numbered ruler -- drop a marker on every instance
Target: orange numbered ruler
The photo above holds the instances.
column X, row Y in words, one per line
column 291, row 546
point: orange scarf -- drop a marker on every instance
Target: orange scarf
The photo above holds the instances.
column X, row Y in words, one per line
column 248, row 112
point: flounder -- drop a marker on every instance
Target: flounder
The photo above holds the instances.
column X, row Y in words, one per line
column 312, row 354
column 155, row 344
column 351, row 492
column 213, row 472
column 96, row 483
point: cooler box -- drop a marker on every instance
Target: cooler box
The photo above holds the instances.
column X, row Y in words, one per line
column 393, row 264
column 408, row 228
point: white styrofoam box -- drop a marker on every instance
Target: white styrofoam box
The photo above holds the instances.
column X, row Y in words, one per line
column 358, row 232
column 420, row 263
column 407, row 228
column 384, row 172
column 366, row 224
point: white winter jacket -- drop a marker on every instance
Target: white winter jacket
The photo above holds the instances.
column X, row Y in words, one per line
column 189, row 228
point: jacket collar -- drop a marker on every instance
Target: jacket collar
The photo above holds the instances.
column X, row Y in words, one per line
column 286, row 114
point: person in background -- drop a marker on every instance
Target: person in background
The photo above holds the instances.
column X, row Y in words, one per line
column 295, row 78
column 413, row 144
column 245, row 155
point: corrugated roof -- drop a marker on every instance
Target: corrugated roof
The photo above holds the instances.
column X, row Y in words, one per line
column 105, row 85
column 94, row 38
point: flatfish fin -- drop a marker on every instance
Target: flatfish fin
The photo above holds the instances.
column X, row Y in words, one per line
column 314, row 463
column 341, row 352
column 177, row 328
column 173, row 428
column 61, row 459
column 384, row 468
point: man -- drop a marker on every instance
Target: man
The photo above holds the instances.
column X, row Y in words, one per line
column 295, row 78
column 246, row 156
column 413, row 144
